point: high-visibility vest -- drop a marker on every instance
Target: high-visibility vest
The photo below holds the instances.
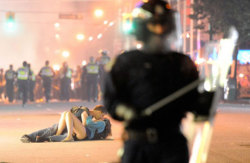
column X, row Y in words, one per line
column 104, row 60
column 69, row 73
column 23, row 73
column 32, row 76
column 10, row 75
column 92, row 68
column 47, row 71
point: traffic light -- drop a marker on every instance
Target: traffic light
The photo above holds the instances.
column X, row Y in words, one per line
column 127, row 23
column 10, row 19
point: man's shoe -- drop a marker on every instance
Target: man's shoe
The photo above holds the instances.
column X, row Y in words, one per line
column 25, row 139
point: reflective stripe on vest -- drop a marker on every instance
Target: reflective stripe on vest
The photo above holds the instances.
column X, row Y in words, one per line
column 46, row 71
column 10, row 75
column 69, row 73
column 92, row 69
column 23, row 73
column 32, row 76
column 104, row 60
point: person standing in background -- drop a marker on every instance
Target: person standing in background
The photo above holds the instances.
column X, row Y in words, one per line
column 65, row 83
column 47, row 74
column 92, row 75
column 10, row 76
column 31, row 83
column 22, row 77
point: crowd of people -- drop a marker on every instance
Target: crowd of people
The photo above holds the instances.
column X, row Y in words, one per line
column 85, row 83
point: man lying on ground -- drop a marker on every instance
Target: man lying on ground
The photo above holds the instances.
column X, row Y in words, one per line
column 77, row 124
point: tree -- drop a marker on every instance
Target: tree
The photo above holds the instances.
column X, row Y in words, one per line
column 221, row 14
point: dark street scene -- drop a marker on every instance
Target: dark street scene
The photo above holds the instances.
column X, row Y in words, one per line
column 115, row 81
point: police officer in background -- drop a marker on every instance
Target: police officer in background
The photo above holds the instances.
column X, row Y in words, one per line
column 92, row 74
column 22, row 79
column 31, row 83
column 47, row 74
column 65, row 81
column 141, row 78
column 10, row 76
column 103, row 60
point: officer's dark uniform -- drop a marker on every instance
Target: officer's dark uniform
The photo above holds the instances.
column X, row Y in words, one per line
column 10, row 78
column 139, row 79
column 31, row 84
column 102, row 61
column 92, row 74
column 22, row 79
column 47, row 73
column 65, row 77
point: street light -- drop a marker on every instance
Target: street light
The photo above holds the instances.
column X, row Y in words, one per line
column 65, row 54
column 56, row 67
column 80, row 37
column 98, row 13
column 90, row 38
column 99, row 36
column 84, row 62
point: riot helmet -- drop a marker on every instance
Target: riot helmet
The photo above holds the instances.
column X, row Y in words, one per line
column 156, row 25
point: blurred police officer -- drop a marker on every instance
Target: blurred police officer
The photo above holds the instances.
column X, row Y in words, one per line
column 31, row 83
column 92, row 74
column 65, row 81
column 139, row 79
column 22, row 79
column 47, row 74
column 10, row 76
column 103, row 60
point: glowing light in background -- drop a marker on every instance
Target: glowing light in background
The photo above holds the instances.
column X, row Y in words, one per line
column 84, row 62
column 57, row 25
column 80, row 37
column 241, row 75
column 98, row 13
column 90, row 38
column 99, row 36
column 65, row 54
column 105, row 22
column 56, row 67
column 139, row 46
column 111, row 23
column 57, row 36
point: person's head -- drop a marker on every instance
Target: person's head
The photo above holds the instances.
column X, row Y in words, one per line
column 91, row 59
column 153, row 23
column 11, row 67
column 47, row 63
column 24, row 63
column 28, row 65
column 103, row 52
column 99, row 111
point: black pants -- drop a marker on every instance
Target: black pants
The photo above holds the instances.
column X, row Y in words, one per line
column 169, row 151
column 10, row 90
column 23, row 89
column 65, row 88
column 92, row 88
column 31, row 85
column 47, row 88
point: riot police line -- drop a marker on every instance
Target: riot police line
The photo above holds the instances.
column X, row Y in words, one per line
column 84, row 83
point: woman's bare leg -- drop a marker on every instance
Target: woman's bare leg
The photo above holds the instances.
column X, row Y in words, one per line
column 61, row 124
column 73, row 123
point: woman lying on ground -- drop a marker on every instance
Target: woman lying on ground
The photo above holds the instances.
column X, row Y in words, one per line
column 77, row 124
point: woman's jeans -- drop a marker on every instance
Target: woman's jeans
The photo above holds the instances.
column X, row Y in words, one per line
column 49, row 133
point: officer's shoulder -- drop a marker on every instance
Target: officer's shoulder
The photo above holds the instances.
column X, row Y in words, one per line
column 130, row 54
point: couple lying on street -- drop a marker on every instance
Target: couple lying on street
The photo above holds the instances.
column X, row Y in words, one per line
column 77, row 124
